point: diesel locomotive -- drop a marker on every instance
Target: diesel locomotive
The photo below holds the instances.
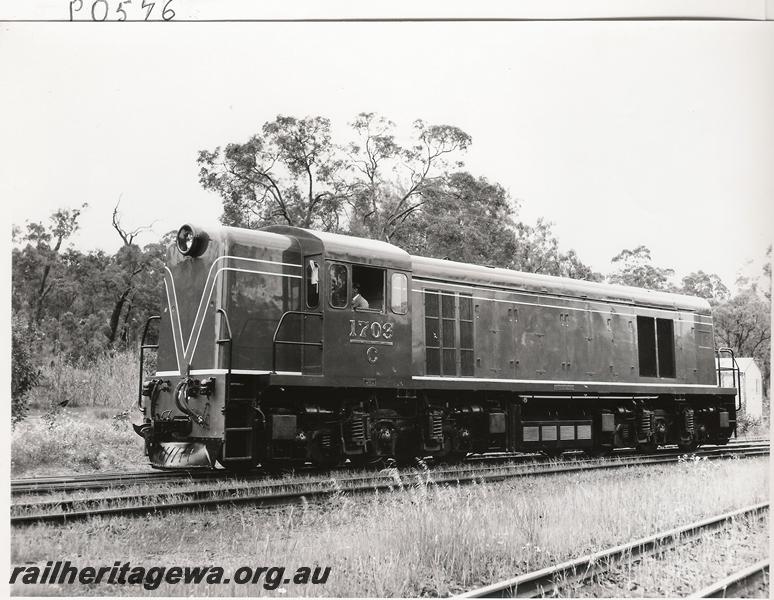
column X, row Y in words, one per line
column 284, row 345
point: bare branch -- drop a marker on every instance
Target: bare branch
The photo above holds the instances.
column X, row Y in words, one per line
column 127, row 236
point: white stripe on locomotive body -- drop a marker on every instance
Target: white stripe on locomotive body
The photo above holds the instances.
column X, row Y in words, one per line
column 209, row 275
column 172, row 324
column 498, row 290
column 177, row 307
column 225, row 371
column 493, row 288
column 559, row 382
column 442, row 378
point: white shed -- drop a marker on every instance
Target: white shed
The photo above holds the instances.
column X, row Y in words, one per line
column 750, row 386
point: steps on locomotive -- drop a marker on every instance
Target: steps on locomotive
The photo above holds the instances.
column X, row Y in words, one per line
column 239, row 421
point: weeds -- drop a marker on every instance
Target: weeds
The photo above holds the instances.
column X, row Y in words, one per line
column 110, row 380
column 58, row 443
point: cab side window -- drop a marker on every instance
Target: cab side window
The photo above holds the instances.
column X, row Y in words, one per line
column 367, row 288
column 312, row 282
column 399, row 293
column 339, row 286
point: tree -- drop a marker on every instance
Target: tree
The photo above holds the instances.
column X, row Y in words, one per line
column 287, row 174
column 127, row 236
column 91, row 302
column 767, row 275
column 392, row 183
column 293, row 173
column 705, row 285
column 37, row 268
column 468, row 219
column 635, row 269
column 743, row 322
column 130, row 263
column 537, row 251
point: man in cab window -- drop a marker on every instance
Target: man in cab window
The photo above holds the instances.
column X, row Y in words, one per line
column 357, row 300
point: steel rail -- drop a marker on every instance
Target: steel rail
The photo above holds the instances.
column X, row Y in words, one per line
column 94, row 482
column 736, row 584
column 44, row 485
column 199, row 499
column 547, row 581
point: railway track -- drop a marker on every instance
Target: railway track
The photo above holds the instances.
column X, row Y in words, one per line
column 739, row 584
column 288, row 492
column 71, row 483
column 47, row 485
column 550, row 580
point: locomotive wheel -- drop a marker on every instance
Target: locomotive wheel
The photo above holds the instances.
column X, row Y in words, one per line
column 448, row 455
column 278, row 467
column 687, row 444
column 235, row 466
column 598, row 451
column 367, row 461
column 451, row 458
column 552, row 452
column 648, row 447
column 322, row 457
column 239, row 466
column 410, row 461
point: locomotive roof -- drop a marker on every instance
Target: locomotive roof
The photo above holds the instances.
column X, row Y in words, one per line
column 374, row 252
column 347, row 248
column 447, row 270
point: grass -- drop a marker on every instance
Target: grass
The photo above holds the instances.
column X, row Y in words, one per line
column 92, row 431
column 75, row 440
column 426, row 540
column 108, row 381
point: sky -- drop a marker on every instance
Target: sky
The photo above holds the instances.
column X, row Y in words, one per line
column 621, row 133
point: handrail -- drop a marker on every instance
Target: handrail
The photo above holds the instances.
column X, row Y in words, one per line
column 736, row 375
column 143, row 347
column 228, row 340
column 275, row 341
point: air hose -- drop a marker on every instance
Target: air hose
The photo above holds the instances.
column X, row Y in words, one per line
column 181, row 400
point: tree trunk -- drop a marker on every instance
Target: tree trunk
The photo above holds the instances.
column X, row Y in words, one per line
column 115, row 316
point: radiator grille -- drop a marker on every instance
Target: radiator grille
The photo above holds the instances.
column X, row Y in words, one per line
column 531, row 434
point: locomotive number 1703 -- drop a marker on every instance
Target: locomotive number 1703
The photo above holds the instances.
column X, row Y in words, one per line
column 370, row 329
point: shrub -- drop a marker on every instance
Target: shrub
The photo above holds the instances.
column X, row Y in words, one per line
column 24, row 374
column 747, row 424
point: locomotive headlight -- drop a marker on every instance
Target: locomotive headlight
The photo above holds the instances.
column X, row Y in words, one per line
column 191, row 242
